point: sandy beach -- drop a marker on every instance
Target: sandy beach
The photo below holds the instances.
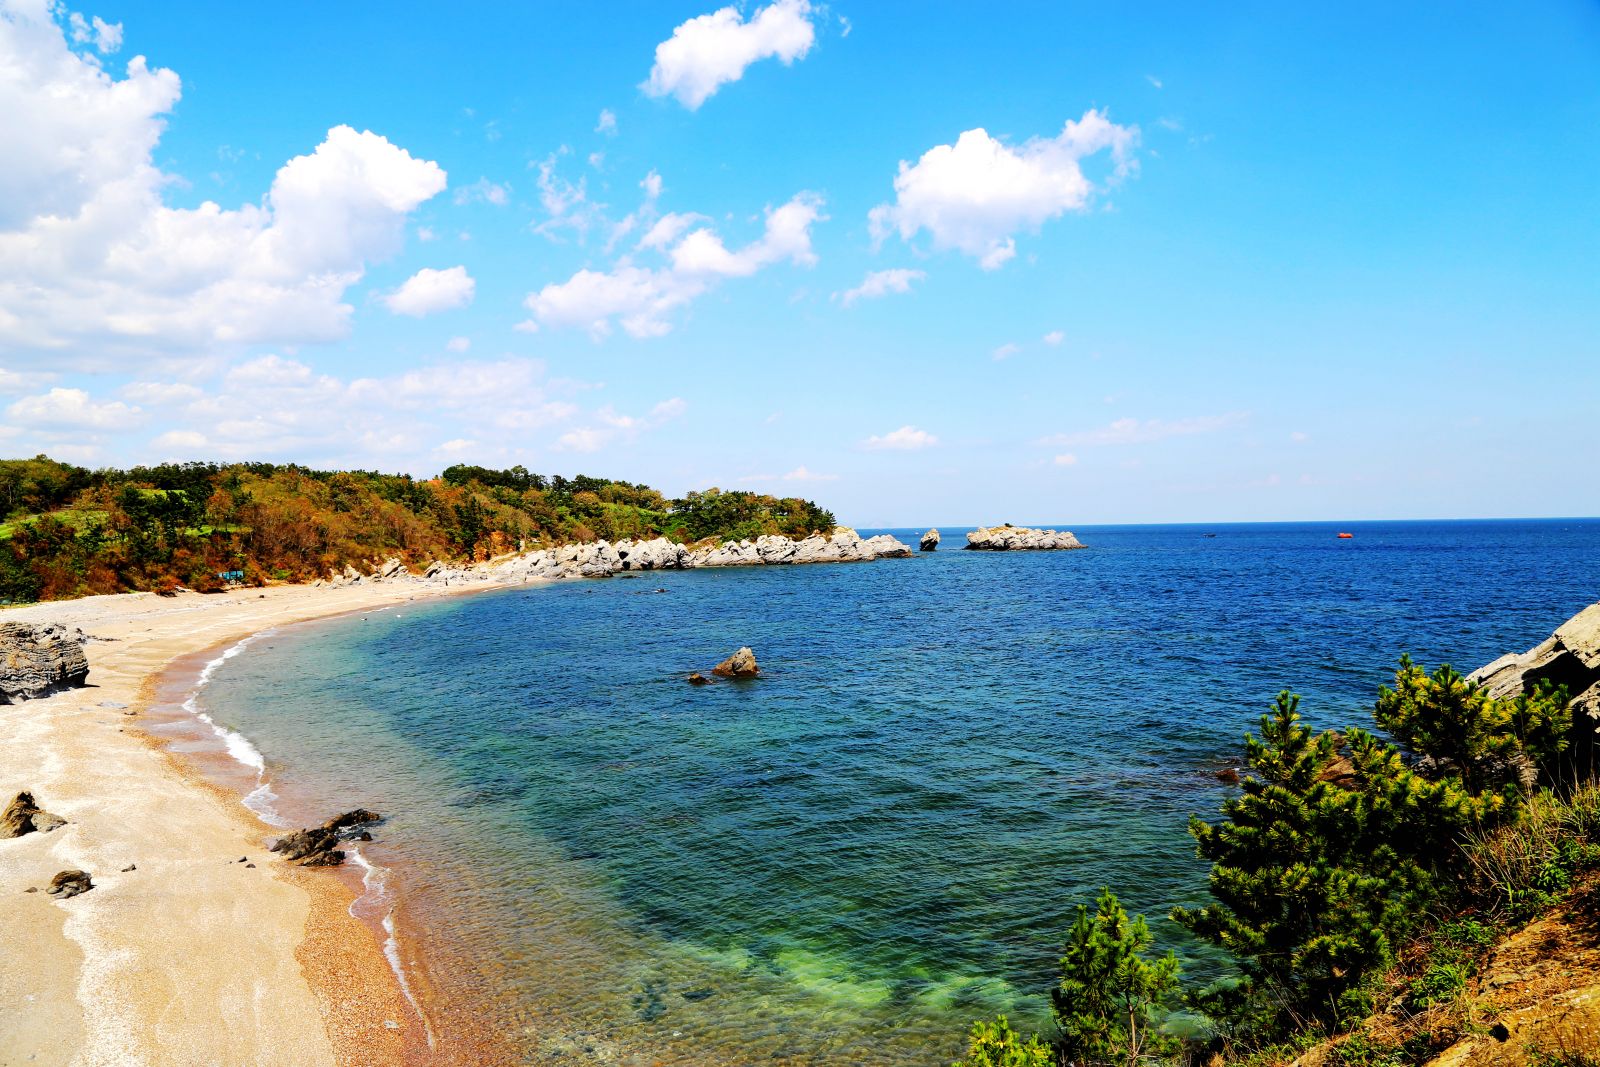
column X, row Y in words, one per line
column 190, row 956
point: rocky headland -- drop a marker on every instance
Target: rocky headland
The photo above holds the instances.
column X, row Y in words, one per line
column 1020, row 539
column 602, row 559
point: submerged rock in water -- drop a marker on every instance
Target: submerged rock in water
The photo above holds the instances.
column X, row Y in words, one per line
column 698, row 679
column 1019, row 539
column 742, row 664
column 22, row 816
column 317, row 846
column 36, row 661
column 930, row 541
column 69, row 884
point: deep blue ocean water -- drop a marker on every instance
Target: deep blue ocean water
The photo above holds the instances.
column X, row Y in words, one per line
column 884, row 836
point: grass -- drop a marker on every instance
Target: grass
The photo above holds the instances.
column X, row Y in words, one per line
column 78, row 520
column 1524, row 868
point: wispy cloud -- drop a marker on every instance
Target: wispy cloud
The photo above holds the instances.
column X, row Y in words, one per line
column 1139, row 432
column 881, row 283
column 905, row 439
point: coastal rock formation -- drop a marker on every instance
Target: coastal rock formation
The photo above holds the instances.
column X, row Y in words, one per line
column 1569, row 657
column 1020, row 538
column 843, row 545
column 317, row 846
column 656, row 554
column 38, row 660
column 600, row 559
column 698, row 679
column 22, row 816
column 742, row 664
column 69, row 884
column 930, row 541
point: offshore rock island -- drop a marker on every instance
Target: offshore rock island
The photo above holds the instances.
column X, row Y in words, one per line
column 1020, row 538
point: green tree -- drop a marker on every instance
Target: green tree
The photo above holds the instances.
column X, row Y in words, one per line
column 997, row 1045
column 1109, row 994
column 1303, row 925
column 1453, row 725
column 1330, row 856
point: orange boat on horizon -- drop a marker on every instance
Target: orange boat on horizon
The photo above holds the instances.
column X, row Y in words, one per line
column 1347, row 535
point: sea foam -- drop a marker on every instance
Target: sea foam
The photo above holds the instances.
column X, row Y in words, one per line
column 238, row 746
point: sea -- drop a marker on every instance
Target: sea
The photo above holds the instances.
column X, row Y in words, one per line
column 885, row 836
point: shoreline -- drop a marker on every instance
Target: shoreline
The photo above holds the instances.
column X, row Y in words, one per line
column 191, row 954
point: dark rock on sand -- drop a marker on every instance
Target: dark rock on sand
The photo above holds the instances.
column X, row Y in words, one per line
column 36, row 661
column 742, row 664
column 22, row 816
column 316, row 846
column 70, row 884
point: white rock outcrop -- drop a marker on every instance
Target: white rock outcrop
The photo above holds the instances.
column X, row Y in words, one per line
column 1020, row 539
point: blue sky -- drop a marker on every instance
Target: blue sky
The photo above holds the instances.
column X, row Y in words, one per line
column 1159, row 264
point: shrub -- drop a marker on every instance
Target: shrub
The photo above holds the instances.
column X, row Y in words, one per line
column 997, row 1045
column 1441, row 983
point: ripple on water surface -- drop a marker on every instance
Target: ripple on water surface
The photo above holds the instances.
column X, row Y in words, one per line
column 883, row 837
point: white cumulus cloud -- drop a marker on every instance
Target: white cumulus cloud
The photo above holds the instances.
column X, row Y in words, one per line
column 880, row 283
column 977, row 194
column 95, row 268
column 72, row 409
column 1054, row 338
column 429, row 291
column 905, row 439
column 642, row 299
column 709, row 51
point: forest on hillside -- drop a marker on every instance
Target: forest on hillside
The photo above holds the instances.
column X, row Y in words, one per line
column 69, row 531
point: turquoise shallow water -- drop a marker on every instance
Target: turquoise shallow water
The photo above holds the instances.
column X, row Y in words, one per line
column 884, row 836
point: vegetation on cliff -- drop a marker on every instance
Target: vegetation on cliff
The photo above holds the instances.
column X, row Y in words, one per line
column 1357, row 881
column 68, row 531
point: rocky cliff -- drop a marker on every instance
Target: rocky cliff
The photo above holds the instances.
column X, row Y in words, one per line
column 38, row 660
column 1569, row 657
column 1020, row 538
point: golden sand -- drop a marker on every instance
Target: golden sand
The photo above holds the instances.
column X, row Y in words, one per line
column 192, row 957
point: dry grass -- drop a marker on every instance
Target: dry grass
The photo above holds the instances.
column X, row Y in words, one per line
column 1518, row 867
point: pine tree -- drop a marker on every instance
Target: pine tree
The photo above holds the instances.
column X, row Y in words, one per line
column 997, row 1045
column 1304, row 924
column 1452, row 726
column 1109, row 994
